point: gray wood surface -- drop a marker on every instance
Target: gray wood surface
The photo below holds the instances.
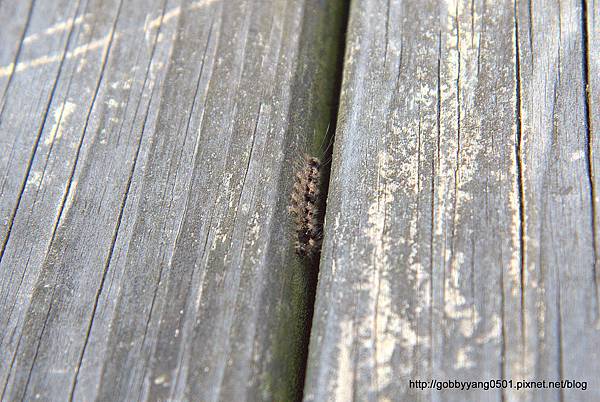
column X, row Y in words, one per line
column 461, row 236
column 148, row 153
column 147, row 156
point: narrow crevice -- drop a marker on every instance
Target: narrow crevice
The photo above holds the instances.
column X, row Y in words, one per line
column 519, row 168
column 41, row 129
column 590, row 146
column 37, row 348
column 84, row 129
column 436, row 160
column 17, row 57
column 453, row 234
column 329, row 92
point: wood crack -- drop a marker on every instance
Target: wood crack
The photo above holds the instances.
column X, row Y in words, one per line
column 590, row 151
column 121, row 210
column 520, row 168
column 39, row 133
column 18, row 56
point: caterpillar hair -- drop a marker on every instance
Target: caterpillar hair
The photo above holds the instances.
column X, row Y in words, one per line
column 305, row 208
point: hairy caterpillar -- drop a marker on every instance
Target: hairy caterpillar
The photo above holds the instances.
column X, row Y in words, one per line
column 306, row 209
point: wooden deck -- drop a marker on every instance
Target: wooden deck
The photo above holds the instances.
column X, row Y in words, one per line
column 147, row 156
column 462, row 236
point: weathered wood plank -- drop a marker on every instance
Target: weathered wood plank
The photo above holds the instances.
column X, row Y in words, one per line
column 149, row 254
column 88, row 106
column 28, row 81
column 562, row 326
column 30, row 87
column 12, row 31
column 459, row 237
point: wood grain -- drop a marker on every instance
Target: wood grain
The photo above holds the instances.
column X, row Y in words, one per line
column 147, row 250
column 148, row 150
column 461, row 235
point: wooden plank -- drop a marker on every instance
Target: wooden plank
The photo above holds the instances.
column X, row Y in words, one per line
column 459, row 239
column 148, row 250
column 86, row 107
column 562, row 326
column 28, row 78
column 30, row 83
column 12, row 31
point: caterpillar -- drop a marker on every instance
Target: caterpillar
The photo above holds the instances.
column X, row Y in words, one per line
column 305, row 208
